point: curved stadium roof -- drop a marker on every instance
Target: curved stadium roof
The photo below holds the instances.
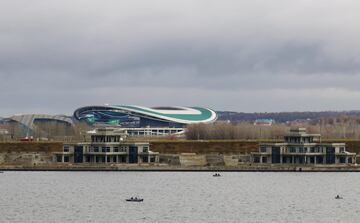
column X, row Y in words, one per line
column 182, row 115
column 28, row 119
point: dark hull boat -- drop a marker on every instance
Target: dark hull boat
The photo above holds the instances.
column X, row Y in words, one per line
column 134, row 200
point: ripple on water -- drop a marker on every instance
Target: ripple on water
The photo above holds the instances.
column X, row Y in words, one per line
column 178, row 197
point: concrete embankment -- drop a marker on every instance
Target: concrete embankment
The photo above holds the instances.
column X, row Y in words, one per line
column 170, row 146
column 227, row 146
column 174, row 156
column 166, row 168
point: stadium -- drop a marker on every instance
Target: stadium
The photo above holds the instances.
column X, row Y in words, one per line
column 39, row 125
column 134, row 120
column 140, row 120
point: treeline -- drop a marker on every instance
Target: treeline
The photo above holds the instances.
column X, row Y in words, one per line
column 283, row 117
column 345, row 127
column 222, row 131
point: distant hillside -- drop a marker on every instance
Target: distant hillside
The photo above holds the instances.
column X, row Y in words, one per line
column 282, row 117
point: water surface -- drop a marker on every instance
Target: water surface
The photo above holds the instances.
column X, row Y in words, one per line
column 178, row 197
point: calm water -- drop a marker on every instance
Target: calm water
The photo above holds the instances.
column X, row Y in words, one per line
column 178, row 197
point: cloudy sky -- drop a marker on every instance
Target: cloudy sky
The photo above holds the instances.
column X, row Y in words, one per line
column 241, row 55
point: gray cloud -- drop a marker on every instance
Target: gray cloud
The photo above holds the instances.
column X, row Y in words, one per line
column 239, row 55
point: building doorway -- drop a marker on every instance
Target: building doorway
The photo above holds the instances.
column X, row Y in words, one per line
column 133, row 154
column 275, row 155
column 78, row 154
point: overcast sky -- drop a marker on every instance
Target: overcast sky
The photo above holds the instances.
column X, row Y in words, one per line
column 246, row 56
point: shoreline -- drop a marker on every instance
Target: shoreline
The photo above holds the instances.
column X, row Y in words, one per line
column 244, row 168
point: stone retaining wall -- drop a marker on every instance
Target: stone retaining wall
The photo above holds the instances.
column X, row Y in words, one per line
column 45, row 147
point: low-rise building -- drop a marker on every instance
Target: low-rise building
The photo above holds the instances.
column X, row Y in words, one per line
column 264, row 122
column 299, row 147
column 107, row 145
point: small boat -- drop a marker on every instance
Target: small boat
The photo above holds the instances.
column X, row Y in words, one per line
column 216, row 175
column 134, row 200
column 338, row 197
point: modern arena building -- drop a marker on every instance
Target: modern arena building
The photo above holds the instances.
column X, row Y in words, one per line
column 39, row 125
column 145, row 121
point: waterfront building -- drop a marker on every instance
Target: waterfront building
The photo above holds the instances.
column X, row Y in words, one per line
column 107, row 145
column 152, row 131
column 145, row 121
column 300, row 147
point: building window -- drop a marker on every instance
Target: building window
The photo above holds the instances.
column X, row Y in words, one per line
column 103, row 149
column 342, row 160
column 96, row 149
column 263, row 149
column 264, row 159
column 342, row 149
column 312, row 159
column 116, row 149
column 66, row 159
column 66, row 149
column 59, row 158
column 107, row 149
column 123, row 149
column 292, row 150
column 145, row 149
